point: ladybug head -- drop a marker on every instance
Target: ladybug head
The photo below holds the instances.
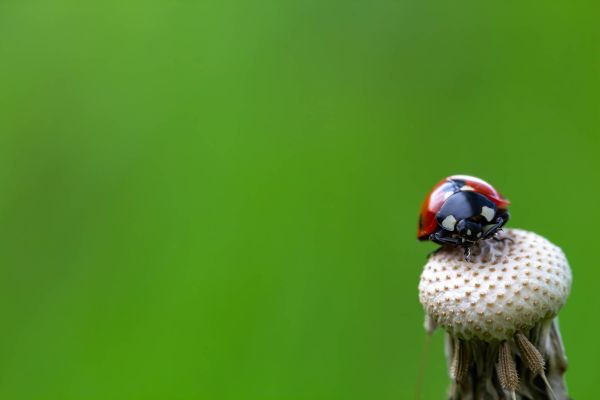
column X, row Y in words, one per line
column 469, row 229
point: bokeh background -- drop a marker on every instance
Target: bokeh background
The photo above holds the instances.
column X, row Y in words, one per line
column 218, row 199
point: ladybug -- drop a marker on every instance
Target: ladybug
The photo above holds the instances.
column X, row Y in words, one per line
column 460, row 211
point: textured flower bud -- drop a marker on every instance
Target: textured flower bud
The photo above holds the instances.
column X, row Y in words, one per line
column 509, row 285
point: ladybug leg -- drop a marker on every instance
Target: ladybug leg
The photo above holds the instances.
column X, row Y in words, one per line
column 500, row 221
column 468, row 254
column 501, row 239
column 438, row 238
column 504, row 216
column 494, row 229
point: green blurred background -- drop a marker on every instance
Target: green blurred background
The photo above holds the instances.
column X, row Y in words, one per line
column 218, row 199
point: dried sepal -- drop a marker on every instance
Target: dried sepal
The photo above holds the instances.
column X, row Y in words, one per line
column 460, row 361
column 429, row 325
column 530, row 354
column 533, row 359
column 507, row 369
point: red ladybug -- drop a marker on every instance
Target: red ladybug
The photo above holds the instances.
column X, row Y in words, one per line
column 461, row 210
